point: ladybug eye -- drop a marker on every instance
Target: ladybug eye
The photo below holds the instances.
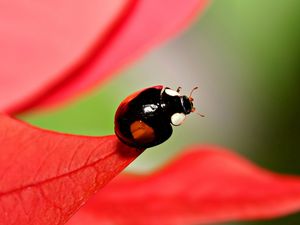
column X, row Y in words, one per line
column 177, row 119
column 171, row 92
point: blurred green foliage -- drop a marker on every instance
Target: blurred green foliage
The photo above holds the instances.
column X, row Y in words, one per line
column 244, row 54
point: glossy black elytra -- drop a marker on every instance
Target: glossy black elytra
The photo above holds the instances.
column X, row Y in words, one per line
column 144, row 118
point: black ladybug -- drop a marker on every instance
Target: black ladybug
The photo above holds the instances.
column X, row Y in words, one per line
column 144, row 118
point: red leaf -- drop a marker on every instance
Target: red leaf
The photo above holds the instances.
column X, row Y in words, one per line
column 42, row 42
column 47, row 176
column 143, row 25
column 205, row 185
column 148, row 24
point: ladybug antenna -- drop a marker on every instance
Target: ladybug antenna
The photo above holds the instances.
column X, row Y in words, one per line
column 190, row 97
column 194, row 111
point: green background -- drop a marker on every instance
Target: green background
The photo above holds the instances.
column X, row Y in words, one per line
column 244, row 56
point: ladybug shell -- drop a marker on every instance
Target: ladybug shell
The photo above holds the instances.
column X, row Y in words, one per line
column 140, row 120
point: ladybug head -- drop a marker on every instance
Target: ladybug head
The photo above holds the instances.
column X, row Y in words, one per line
column 185, row 106
column 187, row 103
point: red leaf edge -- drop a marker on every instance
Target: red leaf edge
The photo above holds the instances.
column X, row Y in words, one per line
column 47, row 176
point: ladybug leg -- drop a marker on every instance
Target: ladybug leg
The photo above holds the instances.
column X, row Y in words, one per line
column 162, row 90
column 178, row 89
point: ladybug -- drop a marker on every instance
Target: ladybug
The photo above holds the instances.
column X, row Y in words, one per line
column 145, row 118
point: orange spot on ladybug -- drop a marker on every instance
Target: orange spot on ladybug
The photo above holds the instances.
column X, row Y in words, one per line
column 141, row 132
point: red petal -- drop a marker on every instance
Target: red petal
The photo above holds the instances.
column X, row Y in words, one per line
column 146, row 24
column 41, row 42
column 47, row 176
column 205, row 185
